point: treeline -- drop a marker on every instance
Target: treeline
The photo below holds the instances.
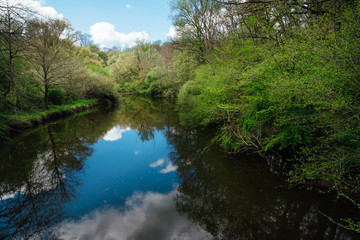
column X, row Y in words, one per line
column 144, row 69
column 277, row 77
column 44, row 62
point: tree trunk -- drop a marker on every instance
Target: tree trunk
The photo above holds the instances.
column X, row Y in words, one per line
column 46, row 98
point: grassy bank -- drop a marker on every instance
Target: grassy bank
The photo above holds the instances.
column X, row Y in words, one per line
column 18, row 121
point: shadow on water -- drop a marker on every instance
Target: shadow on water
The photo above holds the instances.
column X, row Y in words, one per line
column 42, row 171
column 241, row 199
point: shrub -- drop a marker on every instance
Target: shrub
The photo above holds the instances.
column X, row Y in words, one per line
column 56, row 96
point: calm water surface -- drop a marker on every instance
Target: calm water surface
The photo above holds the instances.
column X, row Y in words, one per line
column 133, row 173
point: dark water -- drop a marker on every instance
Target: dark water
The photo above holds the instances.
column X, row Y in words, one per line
column 134, row 173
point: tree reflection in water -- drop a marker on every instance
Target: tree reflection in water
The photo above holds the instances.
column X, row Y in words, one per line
column 241, row 199
column 39, row 170
column 37, row 180
column 146, row 116
column 231, row 199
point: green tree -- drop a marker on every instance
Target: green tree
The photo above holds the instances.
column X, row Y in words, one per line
column 13, row 17
column 125, row 68
column 88, row 57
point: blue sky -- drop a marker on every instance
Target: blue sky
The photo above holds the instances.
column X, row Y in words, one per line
column 115, row 22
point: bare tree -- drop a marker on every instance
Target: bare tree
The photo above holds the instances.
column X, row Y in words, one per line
column 84, row 39
column 275, row 19
column 49, row 53
column 199, row 23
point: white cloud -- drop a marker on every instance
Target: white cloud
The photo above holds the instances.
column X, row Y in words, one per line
column 128, row 6
column 158, row 163
column 169, row 168
column 147, row 216
column 115, row 133
column 104, row 34
column 36, row 6
column 172, row 34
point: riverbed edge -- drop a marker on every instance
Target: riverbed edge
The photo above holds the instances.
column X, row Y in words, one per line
column 22, row 122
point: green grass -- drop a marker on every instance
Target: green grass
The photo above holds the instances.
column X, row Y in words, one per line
column 33, row 118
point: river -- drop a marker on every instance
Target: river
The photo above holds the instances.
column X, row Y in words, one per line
column 132, row 172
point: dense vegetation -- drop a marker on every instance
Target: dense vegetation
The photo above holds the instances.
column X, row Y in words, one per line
column 279, row 77
column 45, row 63
column 276, row 77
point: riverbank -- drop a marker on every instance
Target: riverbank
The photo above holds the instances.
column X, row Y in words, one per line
column 20, row 121
column 138, row 152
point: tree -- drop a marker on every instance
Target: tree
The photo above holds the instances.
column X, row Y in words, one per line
column 84, row 39
column 199, row 23
column 13, row 19
column 88, row 57
column 49, row 53
column 276, row 20
column 125, row 68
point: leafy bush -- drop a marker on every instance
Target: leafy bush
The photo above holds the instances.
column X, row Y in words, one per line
column 103, row 89
column 56, row 96
column 154, row 82
column 98, row 69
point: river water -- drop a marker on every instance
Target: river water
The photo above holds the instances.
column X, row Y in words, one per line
column 132, row 172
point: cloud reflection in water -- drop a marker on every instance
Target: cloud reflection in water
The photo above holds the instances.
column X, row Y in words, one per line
column 158, row 163
column 150, row 216
column 170, row 167
column 115, row 133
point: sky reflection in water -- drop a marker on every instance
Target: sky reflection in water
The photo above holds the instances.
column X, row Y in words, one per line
column 134, row 173
column 143, row 215
column 146, row 216
column 121, row 165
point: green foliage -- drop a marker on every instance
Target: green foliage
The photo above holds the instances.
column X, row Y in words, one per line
column 190, row 113
column 98, row 69
column 143, row 70
column 185, row 65
column 153, row 82
column 88, row 57
column 103, row 89
column 50, row 72
column 205, row 99
column 35, row 117
column 125, row 68
column 4, row 125
column 347, row 223
column 56, row 96
column 298, row 96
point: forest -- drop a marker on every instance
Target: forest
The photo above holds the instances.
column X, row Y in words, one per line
column 274, row 77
